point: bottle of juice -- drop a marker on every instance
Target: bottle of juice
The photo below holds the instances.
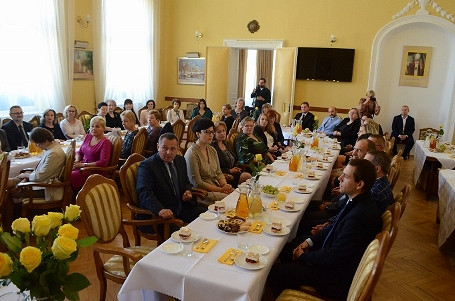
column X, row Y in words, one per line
column 294, row 163
column 315, row 142
column 256, row 204
column 241, row 209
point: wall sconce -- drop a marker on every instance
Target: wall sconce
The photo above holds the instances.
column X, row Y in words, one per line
column 84, row 22
column 333, row 39
column 198, row 34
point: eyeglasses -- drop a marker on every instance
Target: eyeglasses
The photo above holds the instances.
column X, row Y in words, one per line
column 208, row 132
column 18, row 113
column 71, row 111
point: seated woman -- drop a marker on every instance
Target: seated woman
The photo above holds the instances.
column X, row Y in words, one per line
column 113, row 118
column 154, row 131
column 71, row 126
column 128, row 105
column 203, row 166
column 266, row 132
column 266, row 108
column 248, row 145
column 239, row 109
column 129, row 123
column 49, row 167
column 227, row 156
column 202, row 110
column 95, row 151
column 227, row 118
column 175, row 113
column 143, row 119
column 49, row 122
column 278, row 131
column 346, row 131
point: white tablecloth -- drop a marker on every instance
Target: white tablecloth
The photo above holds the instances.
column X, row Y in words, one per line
column 421, row 154
column 202, row 277
column 446, row 205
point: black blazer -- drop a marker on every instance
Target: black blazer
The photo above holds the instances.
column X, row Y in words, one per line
column 348, row 132
column 224, row 163
column 154, row 186
column 307, row 121
column 397, row 126
column 4, row 141
column 259, row 132
column 13, row 135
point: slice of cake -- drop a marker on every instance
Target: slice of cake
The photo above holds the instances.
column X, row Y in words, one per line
column 302, row 187
column 184, row 233
column 219, row 206
column 276, row 226
column 252, row 257
column 289, row 205
column 311, row 174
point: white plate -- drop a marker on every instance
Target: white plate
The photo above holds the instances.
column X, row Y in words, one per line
column 171, row 248
column 194, row 237
column 284, row 221
column 307, row 191
column 212, row 209
column 208, row 215
column 299, row 200
column 283, row 208
column 261, row 249
column 313, row 179
column 284, row 231
column 240, row 261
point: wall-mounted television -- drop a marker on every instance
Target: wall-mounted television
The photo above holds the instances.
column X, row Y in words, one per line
column 328, row 64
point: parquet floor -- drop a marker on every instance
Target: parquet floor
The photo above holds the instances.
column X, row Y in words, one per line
column 414, row 270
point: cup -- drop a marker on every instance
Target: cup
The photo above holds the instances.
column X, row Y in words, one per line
column 281, row 197
column 243, row 239
column 187, row 248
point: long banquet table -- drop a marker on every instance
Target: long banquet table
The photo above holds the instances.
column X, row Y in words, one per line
column 422, row 153
column 446, row 206
column 202, row 277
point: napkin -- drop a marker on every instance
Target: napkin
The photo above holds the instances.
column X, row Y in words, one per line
column 231, row 213
column 273, row 206
column 257, row 226
column 228, row 257
column 280, row 173
column 204, row 247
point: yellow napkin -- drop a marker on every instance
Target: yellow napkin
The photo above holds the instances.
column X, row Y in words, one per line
column 257, row 226
column 230, row 213
column 229, row 256
column 204, row 247
column 273, row 206
column 280, row 173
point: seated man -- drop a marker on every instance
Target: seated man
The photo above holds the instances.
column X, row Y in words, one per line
column 378, row 140
column 16, row 129
column 163, row 186
column 330, row 122
column 329, row 259
column 154, row 131
column 305, row 118
column 403, row 127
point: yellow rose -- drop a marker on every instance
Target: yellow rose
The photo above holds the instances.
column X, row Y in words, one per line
column 72, row 212
column 56, row 219
column 69, row 231
column 30, row 258
column 21, row 225
column 316, row 118
column 6, row 265
column 41, row 225
column 258, row 157
column 63, row 247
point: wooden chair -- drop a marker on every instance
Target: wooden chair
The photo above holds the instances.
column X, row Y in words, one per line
column 118, row 110
column 402, row 198
column 235, row 125
column 35, row 120
column 231, row 139
column 390, row 221
column 425, row 131
column 85, row 118
column 392, row 177
column 365, row 278
column 139, row 141
column 5, row 120
column 179, row 129
column 111, row 168
column 5, row 206
column 190, row 135
column 128, row 178
column 389, row 145
column 164, row 112
column 189, row 109
column 32, row 203
column 99, row 200
column 60, row 117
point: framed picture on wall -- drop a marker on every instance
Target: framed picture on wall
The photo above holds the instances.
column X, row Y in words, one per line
column 415, row 66
column 191, row 71
column 83, row 64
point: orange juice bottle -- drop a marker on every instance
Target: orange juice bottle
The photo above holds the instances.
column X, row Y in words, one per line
column 241, row 210
column 32, row 148
column 315, row 142
column 294, row 163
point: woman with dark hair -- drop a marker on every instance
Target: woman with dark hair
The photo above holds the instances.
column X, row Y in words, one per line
column 202, row 110
column 226, row 155
column 128, row 105
column 202, row 162
column 71, row 126
column 175, row 113
column 143, row 119
column 248, row 145
column 113, row 118
column 50, row 123
column 227, row 118
column 239, row 109
column 154, row 131
column 346, row 131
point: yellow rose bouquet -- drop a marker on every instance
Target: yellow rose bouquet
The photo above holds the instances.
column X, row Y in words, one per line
column 39, row 254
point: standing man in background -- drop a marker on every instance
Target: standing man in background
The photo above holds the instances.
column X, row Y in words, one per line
column 262, row 95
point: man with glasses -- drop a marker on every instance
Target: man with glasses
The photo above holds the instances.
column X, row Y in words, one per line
column 17, row 129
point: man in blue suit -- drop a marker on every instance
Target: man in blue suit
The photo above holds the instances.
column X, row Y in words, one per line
column 329, row 259
column 16, row 129
column 403, row 126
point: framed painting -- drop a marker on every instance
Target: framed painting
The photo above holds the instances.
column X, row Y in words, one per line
column 415, row 66
column 83, row 64
column 191, row 71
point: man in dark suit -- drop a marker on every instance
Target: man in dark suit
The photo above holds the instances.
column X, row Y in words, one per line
column 163, row 185
column 403, row 126
column 16, row 130
column 305, row 118
column 329, row 259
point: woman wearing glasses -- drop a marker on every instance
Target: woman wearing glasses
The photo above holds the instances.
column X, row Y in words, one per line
column 203, row 166
column 248, row 145
column 71, row 126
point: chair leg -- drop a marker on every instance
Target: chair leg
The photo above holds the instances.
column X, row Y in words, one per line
column 103, row 289
column 100, row 274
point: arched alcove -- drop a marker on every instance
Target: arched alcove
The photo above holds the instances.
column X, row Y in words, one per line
column 429, row 106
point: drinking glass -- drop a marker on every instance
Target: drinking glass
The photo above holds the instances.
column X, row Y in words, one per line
column 187, row 248
column 243, row 239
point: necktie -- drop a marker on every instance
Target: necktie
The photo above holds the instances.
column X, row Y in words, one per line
column 174, row 179
column 24, row 139
column 340, row 215
column 303, row 116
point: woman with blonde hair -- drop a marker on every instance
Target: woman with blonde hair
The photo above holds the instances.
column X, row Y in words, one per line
column 248, row 144
column 71, row 126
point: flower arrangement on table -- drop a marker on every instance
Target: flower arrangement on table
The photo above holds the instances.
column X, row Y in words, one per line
column 42, row 268
column 256, row 165
column 441, row 131
column 316, row 123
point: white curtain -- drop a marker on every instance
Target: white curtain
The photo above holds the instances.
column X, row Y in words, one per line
column 125, row 51
column 34, row 55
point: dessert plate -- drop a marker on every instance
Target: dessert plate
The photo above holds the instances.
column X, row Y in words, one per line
column 240, row 261
column 261, row 249
column 282, row 207
column 212, row 209
column 208, row 216
column 307, row 191
column 193, row 237
column 171, row 248
column 315, row 178
column 298, row 200
column 284, row 231
column 284, row 221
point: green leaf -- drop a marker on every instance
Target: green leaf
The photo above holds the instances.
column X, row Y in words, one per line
column 86, row 242
column 70, row 295
column 12, row 242
column 75, row 282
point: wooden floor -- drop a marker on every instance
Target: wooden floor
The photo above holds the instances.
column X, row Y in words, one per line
column 414, row 270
